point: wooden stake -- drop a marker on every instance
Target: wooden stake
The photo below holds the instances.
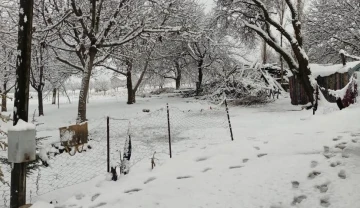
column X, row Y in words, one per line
column 169, row 132
column 228, row 116
column 108, row 142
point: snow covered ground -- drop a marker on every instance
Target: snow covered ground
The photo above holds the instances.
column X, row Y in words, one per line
column 278, row 158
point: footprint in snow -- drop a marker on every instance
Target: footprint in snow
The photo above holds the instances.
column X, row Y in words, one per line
column 132, row 190
column 79, row 196
column 323, row 188
column 342, row 174
column 334, row 164
column 183, row 177
column 341, row 145
column 235, row 167
column 314, row 164
column 200, row 159
column 245, row 160
column 313, row 174
column 98, row 205
column 355, row 134
column 206, row 170
column 93, row 198
column 149, row 180
column 345, row 155
column 262, row 155
column 295, row 184
column 325, row 202
column 298, row 199
column 257, row 148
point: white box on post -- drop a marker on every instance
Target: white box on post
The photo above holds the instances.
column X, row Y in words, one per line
column 21, row 142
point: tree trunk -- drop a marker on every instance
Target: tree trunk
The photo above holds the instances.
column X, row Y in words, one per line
column 3, row 99
column 264, row 54
column 54, row 97
column 178, row 82
column 40, row 102
column 178, row 75
column 85, row 82
column 131, row 94
column 281, row 63
column 3, row 103
column 200, row 76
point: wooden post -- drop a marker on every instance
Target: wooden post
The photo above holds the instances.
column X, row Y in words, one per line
column 58, row 98
column 108, row 142
column 169, row 132
column 21, row 101
column 228, row 116
column 343, row 59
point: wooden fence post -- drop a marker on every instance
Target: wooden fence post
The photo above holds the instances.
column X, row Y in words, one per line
column 108, row 142
column 228, row 116
column 169, row 132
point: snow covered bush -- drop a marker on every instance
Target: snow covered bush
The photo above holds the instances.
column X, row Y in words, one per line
column 245, row 87
column 125, row 162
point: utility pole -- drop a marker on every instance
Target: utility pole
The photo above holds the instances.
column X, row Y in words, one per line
column 21, row 101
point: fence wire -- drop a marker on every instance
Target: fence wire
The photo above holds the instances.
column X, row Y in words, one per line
column 149, row 134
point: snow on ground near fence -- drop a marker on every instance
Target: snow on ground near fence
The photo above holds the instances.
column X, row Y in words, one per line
column 276, row 160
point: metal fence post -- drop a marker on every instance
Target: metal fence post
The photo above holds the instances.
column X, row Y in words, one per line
column 108, row 143
column 228, row 116
column 169, row 133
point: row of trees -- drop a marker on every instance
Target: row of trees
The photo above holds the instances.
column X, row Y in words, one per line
column 145, row 40
column 141, row 40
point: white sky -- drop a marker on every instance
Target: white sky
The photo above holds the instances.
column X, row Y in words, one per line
column 208, row 3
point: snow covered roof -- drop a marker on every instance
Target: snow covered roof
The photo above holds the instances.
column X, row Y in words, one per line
column 324, row 70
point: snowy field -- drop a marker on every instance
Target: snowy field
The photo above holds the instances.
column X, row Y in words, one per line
column 278, row 158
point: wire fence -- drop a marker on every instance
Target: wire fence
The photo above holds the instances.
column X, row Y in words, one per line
column 149, row 133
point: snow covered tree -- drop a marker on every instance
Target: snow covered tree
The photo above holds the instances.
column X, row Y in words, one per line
column 256, row 17
column 90, row 30
column 331, row 26
column 102, row 84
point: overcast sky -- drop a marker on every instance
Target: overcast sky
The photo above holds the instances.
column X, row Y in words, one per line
column 208, row 3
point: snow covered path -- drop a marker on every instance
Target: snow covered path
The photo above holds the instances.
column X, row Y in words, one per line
column 277, row 160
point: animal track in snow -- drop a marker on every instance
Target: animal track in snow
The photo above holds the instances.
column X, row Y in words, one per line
column 235, row 167
column 298, row 199
column 149, row 180
column 313, row 174
column 245, row 160
column 132, row 190
column 257, row 148
column 183, row 177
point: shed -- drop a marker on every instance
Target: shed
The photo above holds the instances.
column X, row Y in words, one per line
column 328, row 76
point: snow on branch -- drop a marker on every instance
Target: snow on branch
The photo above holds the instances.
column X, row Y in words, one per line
column 349, row 55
